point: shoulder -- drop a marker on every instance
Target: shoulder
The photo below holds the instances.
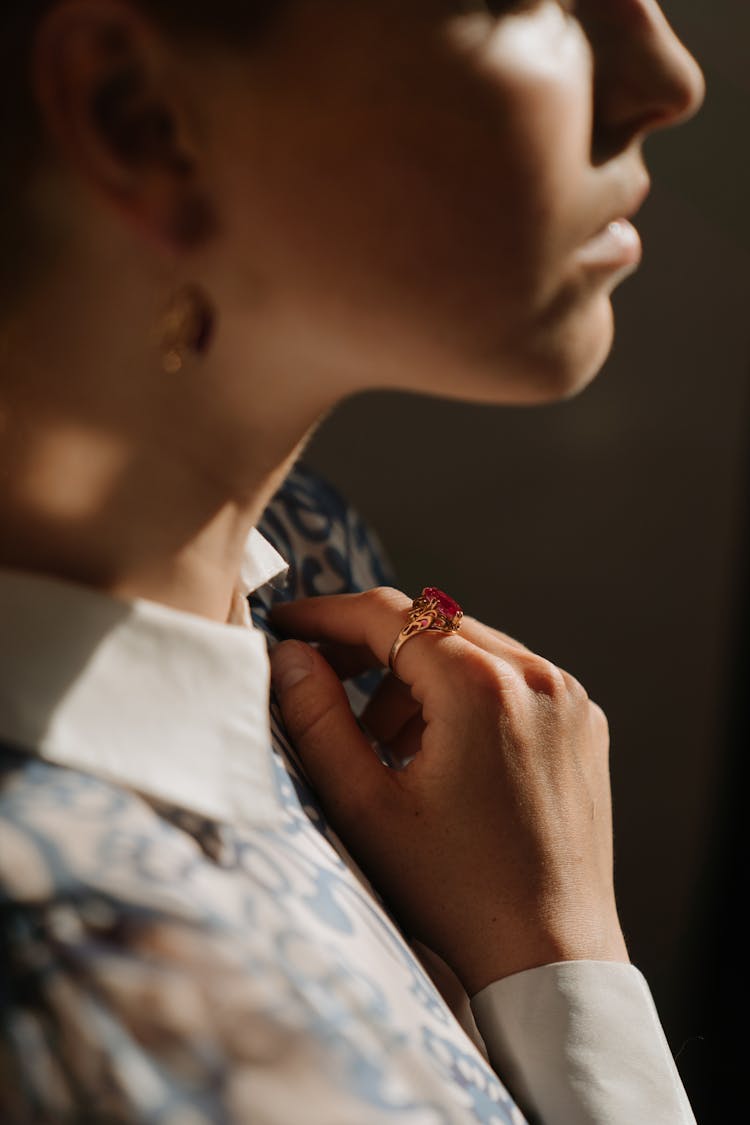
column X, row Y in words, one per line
column 69, row 836
column 102, row 945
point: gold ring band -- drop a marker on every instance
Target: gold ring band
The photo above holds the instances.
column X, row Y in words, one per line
column 434, row 612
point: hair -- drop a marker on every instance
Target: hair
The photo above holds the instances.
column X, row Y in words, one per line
column 22, row 253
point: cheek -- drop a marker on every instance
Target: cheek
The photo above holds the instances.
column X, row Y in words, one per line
column 428, row 228
column 391, row 226
column 437, row 210
column 546, row 142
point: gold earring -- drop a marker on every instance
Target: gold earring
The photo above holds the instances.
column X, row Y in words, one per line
column 185, row 328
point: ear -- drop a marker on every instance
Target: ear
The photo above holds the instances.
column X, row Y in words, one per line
column 105, row 82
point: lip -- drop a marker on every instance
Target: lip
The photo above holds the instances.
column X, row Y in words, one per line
column 617, row 246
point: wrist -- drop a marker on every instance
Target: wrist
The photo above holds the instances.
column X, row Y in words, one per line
column 515, row 952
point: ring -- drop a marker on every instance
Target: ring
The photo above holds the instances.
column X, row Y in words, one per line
column 433, row 611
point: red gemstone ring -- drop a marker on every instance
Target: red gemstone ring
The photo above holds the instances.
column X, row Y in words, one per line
column 433, row 611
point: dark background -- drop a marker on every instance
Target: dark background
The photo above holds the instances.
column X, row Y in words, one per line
column 609, row 534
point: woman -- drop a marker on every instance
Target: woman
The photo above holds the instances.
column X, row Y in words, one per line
column 218, row 222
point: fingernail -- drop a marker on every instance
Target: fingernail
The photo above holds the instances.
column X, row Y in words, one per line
column 290, row 663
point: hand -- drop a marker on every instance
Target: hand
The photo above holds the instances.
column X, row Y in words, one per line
column 493, row 846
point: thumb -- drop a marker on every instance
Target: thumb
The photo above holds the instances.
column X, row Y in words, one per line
column 342, row 766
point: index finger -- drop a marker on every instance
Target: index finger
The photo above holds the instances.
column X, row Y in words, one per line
column 370, row 620
column 316, row 619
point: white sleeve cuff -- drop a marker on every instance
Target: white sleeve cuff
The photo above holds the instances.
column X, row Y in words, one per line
column 580, row 1043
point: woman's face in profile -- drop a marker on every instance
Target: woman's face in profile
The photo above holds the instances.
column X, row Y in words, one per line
column 424, row 191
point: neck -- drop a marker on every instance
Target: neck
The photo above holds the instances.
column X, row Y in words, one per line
column 81, row 507
column 117, row 475
column 137, row 485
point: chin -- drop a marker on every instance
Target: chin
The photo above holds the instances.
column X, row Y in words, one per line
column 550, row 360
column 562, row 358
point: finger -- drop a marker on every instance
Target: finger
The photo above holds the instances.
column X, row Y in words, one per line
column 391, row 706
column 348, row 661
column 514, row 652
column 303, row 619
column 508, row 649
column 370, row 622
column 437, row 666
column 488, row 638
column 523, row 659
column 367, row 621
column 342, row 767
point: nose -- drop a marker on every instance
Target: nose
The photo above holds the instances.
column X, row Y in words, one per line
column 645, row 78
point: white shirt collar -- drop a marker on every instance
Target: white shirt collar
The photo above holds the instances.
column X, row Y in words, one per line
column 168, row 703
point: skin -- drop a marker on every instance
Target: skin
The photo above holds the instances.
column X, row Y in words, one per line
column 382, row 195
column 494, row 845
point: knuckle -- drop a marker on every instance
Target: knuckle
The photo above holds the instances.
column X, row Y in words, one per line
column 385, row 598
column 543, row 677
column 311, row 717
column 486, row 675
column 575, row 688
column 598, row 718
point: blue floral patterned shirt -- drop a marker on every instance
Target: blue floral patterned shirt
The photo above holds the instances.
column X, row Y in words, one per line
column 184, row 940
